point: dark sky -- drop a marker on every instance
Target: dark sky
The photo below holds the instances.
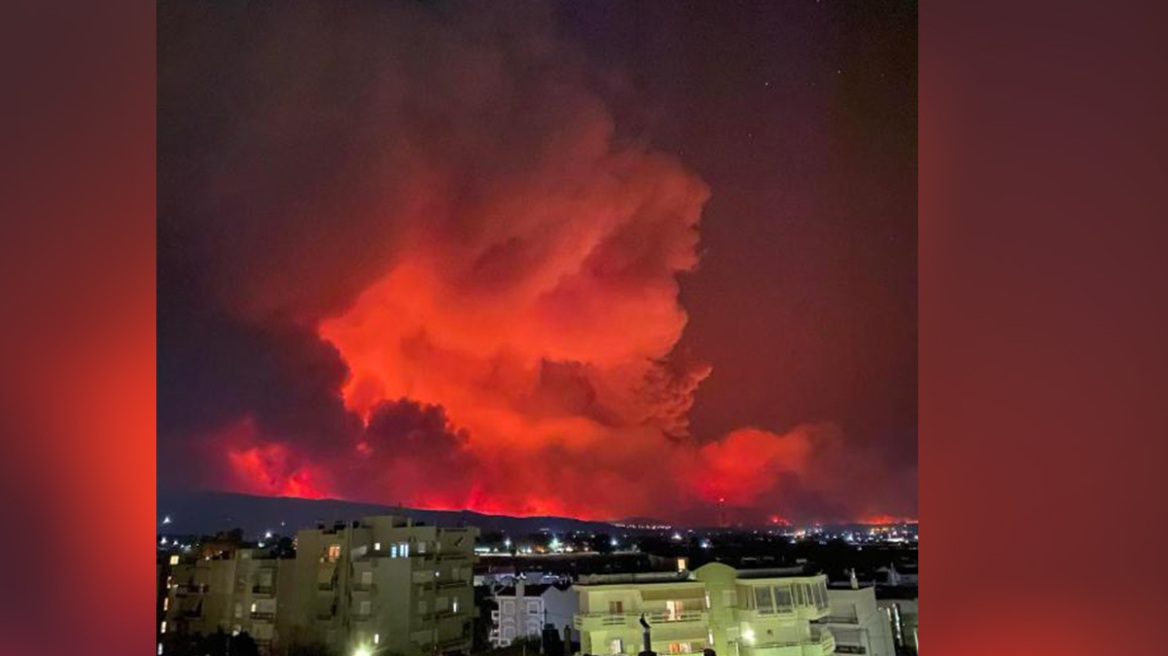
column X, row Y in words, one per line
column 426, row 252
column 802, row 116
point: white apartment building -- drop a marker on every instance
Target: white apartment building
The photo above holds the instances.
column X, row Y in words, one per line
column 524, row 609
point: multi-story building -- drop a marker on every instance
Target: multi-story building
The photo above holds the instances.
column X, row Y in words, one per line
column 900, row 607
column 736, row 612
column 383, row 584
column 235, row 593
column 858, row 625
column 523, row 610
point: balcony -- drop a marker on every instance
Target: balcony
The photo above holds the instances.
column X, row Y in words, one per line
column 850, row 649
column 263, row 590
column 819, row 643
column 593, row 621
column 262, row 616
column 446, row 585
column 839, row 619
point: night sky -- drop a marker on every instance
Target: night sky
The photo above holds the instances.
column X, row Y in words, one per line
column 599, row 259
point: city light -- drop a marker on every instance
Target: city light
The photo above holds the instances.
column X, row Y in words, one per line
column 363, row 651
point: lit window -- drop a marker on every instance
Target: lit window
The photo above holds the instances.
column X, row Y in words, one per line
column 253, row 607
column 334, row 553
column 160, row 649
column 174, row 559
column 376, row 638
column 454, row 606
column 405, row 549
column 377, row 546
column 163, row 629
column 393, row 551
column 166, row 603
column 421, row 547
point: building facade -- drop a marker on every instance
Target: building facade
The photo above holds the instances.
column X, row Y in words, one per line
column 522, row 611
column 858, row 625
column 383, row 584
column 237, row 593
column 735, row 612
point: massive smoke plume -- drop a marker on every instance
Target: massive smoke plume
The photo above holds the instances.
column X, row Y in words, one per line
column 408, row 256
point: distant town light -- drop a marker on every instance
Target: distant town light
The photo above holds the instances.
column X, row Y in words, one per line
column 166, row 520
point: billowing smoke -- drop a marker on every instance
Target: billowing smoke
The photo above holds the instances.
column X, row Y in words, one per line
column 408, row 256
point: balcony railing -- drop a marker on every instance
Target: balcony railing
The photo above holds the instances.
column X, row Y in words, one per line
column 839, row 619
column 628, row 618
column 264, row 616
column 850, row 649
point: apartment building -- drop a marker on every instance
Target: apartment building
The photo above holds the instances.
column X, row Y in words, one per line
column 523, row 610
column 237, row 592
column 736, row 612
column 856, row 622
column 383, row 584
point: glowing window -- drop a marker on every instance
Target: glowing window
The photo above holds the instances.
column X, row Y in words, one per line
column 163, row 628
column 253, row 606
column 454, row 606
column 160, row 649
column 166, row 603
column 376, row 638
column 334, row 553
column 174, row 559
column 377, row 546
column 393, row 551
column 616, row 646
column 405, row 549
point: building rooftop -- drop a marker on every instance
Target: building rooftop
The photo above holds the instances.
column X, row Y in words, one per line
column 532, row 590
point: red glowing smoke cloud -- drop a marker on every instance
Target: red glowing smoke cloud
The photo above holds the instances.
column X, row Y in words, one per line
column 444, row 203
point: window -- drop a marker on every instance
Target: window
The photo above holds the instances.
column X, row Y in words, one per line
column 421, row 547
column 165, row 603
column 404, row 549
column 367, row 577
column 763, row 600
column 616, row 646
column 334, row 553
column 238, row 609
column 454, row 606
column 707, row 601
column 393, row 551
column 798, row 590
column 616, row 608
column 376, row 638
column 160, row 649
column 509, row 606
column 783, row 598
column 673, row 610
column 253, row 607
column 174, row 559
column 163, row 628
column 366, row 607
column 376, row 547
column 532, row 607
